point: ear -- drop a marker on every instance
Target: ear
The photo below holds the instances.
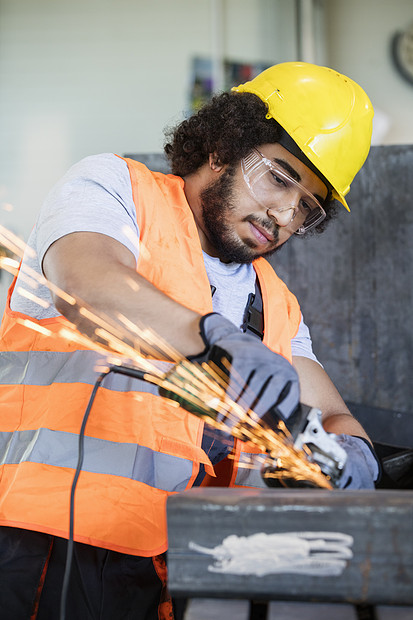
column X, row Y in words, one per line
column 214, row 162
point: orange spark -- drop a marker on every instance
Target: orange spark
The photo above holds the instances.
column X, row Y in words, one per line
column 28, row 295
column 132, row 283
column 34, row 326
column 14, row 243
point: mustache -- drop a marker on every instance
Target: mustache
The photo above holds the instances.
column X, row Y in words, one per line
column 270, row 226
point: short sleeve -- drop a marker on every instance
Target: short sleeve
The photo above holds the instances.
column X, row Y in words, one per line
column 301, row 344
column 95, row 195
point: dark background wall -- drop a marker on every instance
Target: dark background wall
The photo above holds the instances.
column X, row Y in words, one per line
column 355, row 286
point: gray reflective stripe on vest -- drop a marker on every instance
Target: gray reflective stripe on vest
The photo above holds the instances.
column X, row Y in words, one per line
column 47, row 367
column 249, row 471
column 162, row 471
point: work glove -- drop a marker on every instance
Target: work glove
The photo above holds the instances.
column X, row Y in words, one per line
column 258, row 378
column 362, row 467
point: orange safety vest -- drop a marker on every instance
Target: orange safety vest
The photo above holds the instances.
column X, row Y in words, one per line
column 138, row 448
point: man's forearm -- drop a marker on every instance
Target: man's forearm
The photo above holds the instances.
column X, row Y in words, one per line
column 317, row 390
column 100, row 273
column 339, row 423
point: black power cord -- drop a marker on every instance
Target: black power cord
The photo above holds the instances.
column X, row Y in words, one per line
column 124, row 370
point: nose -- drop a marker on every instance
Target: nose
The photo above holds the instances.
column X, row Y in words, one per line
column 282, row 216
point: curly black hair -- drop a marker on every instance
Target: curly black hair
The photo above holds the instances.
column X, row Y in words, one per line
column 230, row 126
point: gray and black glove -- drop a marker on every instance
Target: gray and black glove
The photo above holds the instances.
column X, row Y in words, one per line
column 362, row 467
column 258, row 378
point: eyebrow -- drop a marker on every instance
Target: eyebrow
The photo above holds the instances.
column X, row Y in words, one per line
column 294, row 174
column 284, row 164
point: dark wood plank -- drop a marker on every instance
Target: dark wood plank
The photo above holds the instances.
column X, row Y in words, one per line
column 218, row 609
column 370, row 560
column 278, row 610
column 394, row 613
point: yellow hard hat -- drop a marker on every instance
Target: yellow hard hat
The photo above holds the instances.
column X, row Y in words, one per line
column 327, row 115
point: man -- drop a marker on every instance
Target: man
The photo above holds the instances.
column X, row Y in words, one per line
column 251, row 169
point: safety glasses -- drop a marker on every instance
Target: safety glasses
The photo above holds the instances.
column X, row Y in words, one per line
column 273, row 188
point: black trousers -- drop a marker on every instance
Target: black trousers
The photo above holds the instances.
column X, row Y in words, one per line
column 104, row 585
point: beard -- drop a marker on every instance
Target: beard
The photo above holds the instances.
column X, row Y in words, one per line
column 217, row 201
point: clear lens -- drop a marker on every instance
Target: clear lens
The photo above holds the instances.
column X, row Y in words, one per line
column 271, row 186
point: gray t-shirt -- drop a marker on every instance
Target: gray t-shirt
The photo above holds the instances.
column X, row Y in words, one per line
column 95, row 195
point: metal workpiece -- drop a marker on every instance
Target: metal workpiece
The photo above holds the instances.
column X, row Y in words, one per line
column 320, row 447
column 329, row 455
column 292, row 544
